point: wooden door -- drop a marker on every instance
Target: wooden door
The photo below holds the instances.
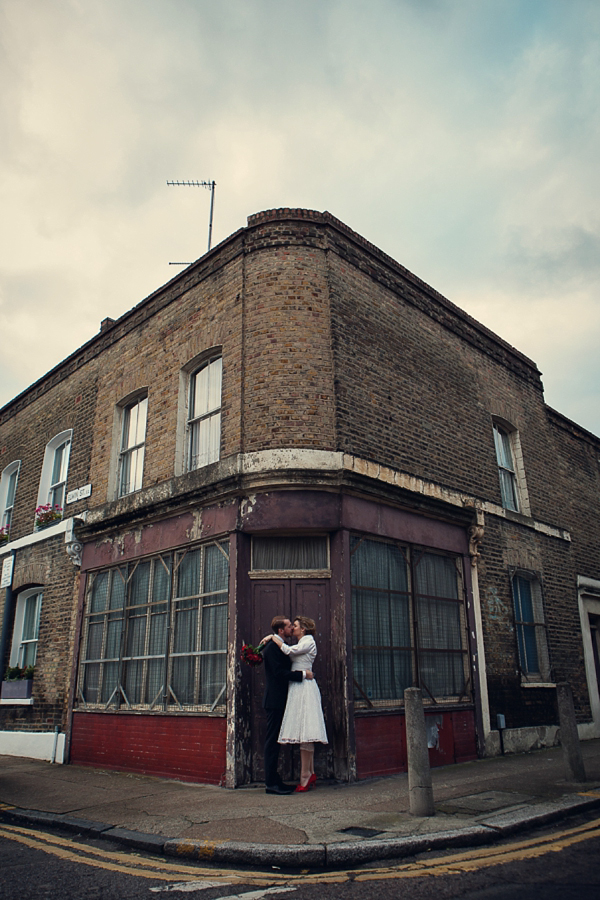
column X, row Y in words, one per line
column 288, row 597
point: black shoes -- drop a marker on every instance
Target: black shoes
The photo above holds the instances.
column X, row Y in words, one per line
column 279, row 789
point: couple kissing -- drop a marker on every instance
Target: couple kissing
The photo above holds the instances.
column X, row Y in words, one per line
column 292, row 700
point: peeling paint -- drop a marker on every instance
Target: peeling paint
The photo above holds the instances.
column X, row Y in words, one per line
column 194, row 532
column 247, row 505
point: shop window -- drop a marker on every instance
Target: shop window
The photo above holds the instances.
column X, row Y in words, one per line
column 155, row 633
column 26, row 628
column 408, row 624
column 133, row 441
column 55, row 467
column 8, row 490
column 530, row 629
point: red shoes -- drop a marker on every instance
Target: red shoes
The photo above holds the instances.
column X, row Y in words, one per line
column 301, row 790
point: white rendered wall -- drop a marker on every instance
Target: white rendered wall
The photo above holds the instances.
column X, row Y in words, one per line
column 32, row 745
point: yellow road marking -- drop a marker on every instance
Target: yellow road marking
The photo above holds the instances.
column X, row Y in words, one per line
column 116, row 862
column 163, row 870
column 106, row 854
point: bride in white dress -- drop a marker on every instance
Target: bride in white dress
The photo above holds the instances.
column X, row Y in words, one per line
column 303, row 721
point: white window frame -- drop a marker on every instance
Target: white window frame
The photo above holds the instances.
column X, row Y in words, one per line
column 134, row 452
column 10, row 476
column 537, row 623
column 511, row 470
column 49, row 486
column 17, row 647
column 185, row 421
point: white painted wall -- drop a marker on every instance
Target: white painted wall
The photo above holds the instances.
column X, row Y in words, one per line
column 32, row 745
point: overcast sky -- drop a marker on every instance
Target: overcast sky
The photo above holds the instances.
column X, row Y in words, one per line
column 462, row 137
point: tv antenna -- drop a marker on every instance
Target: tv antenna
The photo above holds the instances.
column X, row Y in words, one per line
column 211, row 187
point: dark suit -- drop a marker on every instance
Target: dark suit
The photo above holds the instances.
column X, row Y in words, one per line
column 278, row 675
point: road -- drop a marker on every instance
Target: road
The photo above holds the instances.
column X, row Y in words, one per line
column 555, row 864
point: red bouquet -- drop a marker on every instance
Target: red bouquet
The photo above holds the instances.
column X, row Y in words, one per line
column 252, row 655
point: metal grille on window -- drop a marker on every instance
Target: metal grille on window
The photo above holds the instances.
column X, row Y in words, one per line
column 405, row 630
column 440, row 627
column 204, row 414
column 156, row 633
column 381, row 621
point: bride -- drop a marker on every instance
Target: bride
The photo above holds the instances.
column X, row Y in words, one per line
column 303, row 721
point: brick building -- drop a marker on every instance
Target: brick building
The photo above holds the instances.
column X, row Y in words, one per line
column 295, row 424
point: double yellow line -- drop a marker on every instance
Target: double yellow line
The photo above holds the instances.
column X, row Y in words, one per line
column 163, row 870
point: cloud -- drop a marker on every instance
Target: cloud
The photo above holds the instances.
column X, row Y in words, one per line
column 460, row 138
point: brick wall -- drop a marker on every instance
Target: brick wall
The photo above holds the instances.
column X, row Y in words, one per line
column 67, row 404
column 327, row 343
column 190, row 748
column 25, row 433
column 152, row 356
column 288, row 384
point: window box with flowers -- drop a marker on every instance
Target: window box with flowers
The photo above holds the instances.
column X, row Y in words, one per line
column 47, row 515
column 18, row 683
column 4, row 538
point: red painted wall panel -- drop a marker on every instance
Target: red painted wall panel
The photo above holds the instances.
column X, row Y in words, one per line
column 381, row 742
column 190, row 748
column 380, row 745
column 465, row 743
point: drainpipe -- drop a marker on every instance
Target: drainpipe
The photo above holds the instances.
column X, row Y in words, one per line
column 7, row 621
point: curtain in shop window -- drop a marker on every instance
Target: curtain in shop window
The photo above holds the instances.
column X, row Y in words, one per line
column 380, row 621
column 289, row 553
column 439, row 626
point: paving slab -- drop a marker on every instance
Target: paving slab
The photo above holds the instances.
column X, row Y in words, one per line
column 334, row 824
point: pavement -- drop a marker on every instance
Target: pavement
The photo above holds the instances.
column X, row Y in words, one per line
column 479, row 802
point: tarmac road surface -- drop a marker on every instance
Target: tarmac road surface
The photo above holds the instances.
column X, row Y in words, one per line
column 561, row 863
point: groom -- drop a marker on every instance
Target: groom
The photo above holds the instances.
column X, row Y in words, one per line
column 278, row 675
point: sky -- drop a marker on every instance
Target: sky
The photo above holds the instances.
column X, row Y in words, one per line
column 462, row 137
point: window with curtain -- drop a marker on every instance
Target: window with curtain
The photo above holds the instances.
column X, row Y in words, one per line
column 26, row 628
column 506, row 468
column 204, row 414
column 303, row 553
column 53, row 479
column 155, row 633
column 8, row 490
column 406, row 629
column 133, row 438
column 530, row 629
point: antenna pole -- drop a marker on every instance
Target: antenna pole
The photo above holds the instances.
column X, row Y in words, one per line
column 210, row 218
column 211, row 185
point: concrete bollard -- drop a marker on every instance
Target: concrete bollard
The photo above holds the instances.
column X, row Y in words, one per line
column 569, row 738
column 420, row 789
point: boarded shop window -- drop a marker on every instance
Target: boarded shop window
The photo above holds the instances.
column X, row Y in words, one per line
column 155, row 633
column 306, row 553
column 408, row 624
column 530, row 629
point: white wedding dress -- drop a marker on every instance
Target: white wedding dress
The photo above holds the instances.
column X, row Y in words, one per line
column 303, row 717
